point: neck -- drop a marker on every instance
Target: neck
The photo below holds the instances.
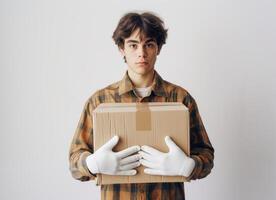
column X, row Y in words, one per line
column 141, row 80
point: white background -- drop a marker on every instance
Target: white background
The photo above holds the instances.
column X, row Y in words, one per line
column 55, row 54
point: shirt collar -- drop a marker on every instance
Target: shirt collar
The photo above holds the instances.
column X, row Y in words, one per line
column 158, row 88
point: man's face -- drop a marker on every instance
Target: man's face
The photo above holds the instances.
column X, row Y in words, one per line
column 140, row 53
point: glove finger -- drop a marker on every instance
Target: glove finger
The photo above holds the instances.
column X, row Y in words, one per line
column 170, row 143
column 146, row 156
column 154, row 171
column 129, row 159
column 150, row 150
column 130, row 166
column 126, row 173
column 149, row 164
column 126, row 152
column 111, row 143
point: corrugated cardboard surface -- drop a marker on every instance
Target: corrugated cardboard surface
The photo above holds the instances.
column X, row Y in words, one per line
column 141, row 124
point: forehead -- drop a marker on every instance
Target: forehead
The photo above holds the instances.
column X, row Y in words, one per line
column 139, row 36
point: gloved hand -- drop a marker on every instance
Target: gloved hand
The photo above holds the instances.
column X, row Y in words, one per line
column 173, row 163
column 105, row 161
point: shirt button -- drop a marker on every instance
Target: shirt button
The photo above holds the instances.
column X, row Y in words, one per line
column 141, row 189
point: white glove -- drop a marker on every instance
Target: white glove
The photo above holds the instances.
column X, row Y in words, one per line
column 173, row 163
column 105, row 161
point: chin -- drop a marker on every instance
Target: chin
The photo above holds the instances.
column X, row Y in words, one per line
column 142, row 71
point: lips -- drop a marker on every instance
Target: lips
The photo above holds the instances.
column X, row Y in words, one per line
column 142, row 63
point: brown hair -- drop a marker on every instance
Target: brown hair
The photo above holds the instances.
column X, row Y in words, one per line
column 148, row 24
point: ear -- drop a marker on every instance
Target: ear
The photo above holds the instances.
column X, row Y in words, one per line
column 158, row 51
column 122, row 51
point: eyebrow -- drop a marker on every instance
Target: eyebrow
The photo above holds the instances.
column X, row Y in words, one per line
column 136, row 41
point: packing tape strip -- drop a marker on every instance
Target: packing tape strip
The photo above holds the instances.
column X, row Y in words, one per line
column 143, row 117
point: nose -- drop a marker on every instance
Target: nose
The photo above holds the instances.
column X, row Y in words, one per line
column 142, row 52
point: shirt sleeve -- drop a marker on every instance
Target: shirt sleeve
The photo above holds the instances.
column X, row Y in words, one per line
column 82, row 145
column 201, row 149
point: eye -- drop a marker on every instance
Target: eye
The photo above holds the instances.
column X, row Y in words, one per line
column 133, row 46
column 150, row 45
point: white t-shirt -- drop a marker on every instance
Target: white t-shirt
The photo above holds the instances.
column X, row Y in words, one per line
column 144, row 91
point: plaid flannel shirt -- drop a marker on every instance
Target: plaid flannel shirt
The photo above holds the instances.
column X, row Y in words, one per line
column 123, row 91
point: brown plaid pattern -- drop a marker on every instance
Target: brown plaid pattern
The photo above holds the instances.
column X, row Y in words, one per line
column 123, row 91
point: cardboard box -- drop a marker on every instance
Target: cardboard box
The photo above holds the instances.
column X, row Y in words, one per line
column 141, row 124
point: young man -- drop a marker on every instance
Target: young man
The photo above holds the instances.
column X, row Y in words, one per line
column 140, row 38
